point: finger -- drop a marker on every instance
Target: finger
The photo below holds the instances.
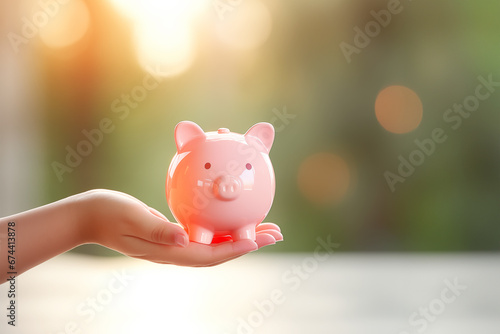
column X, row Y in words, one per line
column 156, row 230
column 264, row 239
column 138, row 201
column 128, row 196
column 267, row 226
column 157, row 213
column 276, row 234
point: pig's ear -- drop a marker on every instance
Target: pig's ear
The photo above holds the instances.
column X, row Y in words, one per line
column 264, row 132
column 185, row 132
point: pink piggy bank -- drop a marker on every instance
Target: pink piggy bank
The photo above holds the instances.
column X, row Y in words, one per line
column 221, row 183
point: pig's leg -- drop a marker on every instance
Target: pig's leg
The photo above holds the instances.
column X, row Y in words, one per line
column 245, row 232
column 200, row 234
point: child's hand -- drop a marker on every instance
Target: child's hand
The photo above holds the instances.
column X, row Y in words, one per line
column 123, row 223
column 120, row 222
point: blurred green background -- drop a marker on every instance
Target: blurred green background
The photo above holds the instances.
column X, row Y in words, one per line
column 146, row 66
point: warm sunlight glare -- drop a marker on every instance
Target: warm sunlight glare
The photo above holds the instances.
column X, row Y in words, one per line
column 163, row 35
column 167, row 55
column 247, row 27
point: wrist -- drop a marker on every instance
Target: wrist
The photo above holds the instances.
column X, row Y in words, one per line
column 80, row 208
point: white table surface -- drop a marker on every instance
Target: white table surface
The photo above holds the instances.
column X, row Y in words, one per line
column 261, row 293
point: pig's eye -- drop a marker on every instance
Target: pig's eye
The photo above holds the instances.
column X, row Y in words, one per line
column 248, row 166
column 208, row 165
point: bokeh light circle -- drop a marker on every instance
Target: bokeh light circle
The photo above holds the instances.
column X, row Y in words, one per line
column 66, row 26
column 246, row 27
column 398, row 109
column 324, row 178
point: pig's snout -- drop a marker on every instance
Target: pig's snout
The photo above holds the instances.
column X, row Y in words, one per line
column 227, row 187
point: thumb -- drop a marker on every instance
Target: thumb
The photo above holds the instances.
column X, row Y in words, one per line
column 159, row 230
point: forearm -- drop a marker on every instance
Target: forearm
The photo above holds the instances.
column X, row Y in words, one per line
column 40, row 234
column 115, row 220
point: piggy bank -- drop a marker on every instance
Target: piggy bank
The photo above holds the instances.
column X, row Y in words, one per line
column 221, row 183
